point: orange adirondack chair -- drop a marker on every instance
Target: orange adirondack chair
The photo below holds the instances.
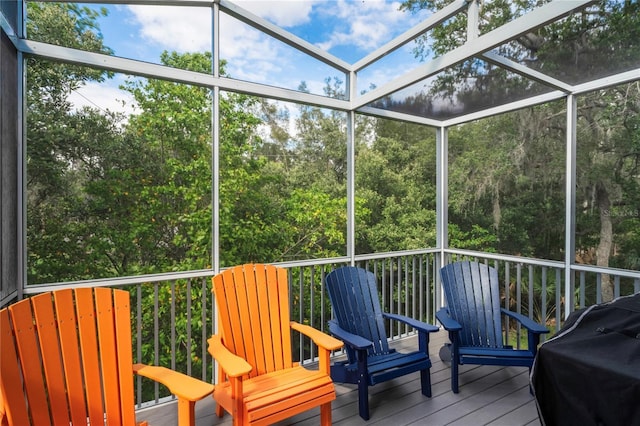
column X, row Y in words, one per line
column 66, row 359
column 259, row 382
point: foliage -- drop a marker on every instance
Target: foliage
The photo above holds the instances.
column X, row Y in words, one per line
column 395, row 178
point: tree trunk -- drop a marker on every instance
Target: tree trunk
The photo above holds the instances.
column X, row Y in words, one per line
column 603, row 252
column 497, row 211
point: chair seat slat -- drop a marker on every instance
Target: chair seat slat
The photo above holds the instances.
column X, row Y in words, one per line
column 48, row 338
column 10, row 373
column 69, row 344
column 85, row 312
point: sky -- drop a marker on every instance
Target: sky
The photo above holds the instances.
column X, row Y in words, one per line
column 348, row 29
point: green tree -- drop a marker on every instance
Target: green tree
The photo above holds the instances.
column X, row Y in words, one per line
column 63, row 147
column 396, row 179
column 170, row 213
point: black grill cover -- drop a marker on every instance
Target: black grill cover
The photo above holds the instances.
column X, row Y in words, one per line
column 589, row 373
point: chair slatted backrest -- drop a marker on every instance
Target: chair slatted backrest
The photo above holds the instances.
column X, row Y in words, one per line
column 356, row 305
column 66, row 359
column 253, row 303
column 473, row 298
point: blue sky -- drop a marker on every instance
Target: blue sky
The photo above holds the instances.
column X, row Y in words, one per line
column 348, row 29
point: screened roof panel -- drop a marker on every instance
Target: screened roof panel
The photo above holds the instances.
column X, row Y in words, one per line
column 469, row 87
column 388, row 68
column 596, row 42
column 347, row 29
column 461, row 58
column 140, row 32
column 253, row 56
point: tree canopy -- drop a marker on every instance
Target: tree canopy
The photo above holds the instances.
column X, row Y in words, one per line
column 111, row 195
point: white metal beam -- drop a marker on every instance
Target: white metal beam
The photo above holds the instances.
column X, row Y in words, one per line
column 527, row 72
column 570, row 203
column 501, row 109
column 400, row 116
column 609, row 81
column 179, row 3
column 145, row 69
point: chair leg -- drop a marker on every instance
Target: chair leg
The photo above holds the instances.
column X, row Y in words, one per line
column 425, row 382
column 363, row 384
column 454, row 376
column 238, row 414
column 363, row 399
column 455, row 362
column 186, row 412
column 325, row 414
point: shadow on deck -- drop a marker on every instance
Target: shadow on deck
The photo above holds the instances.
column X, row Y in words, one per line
column 488, row 395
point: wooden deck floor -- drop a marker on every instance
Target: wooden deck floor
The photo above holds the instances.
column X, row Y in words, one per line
column 488, row 396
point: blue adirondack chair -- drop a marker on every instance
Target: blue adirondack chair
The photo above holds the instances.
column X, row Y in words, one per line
column 359, row 323
column 473, row 319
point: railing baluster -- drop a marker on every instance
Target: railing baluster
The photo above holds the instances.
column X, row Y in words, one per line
column 507, row 297
column 532, row 289
column 582, row 289
column 559, row 309
column 173, row 324
column 189, row 304
column 203, row 336
column 139, row 340
column 301, row 309
column 156, row 340
column 518, row 301
column 543, row 294
column 312, row 290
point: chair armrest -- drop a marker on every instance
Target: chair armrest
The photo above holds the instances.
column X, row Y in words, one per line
column 179, row 384
column 352, row 340
column 232, row 364
column 418, row 325
column 526, row 322
column 447, row 322
column 321, row 339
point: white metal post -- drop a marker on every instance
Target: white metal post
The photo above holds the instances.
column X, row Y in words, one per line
column 570, row 203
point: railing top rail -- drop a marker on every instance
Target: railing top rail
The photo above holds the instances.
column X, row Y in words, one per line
column 120, row 281
column 389, row 254
column 142, row 279
column 606, row 271
column 508, row 258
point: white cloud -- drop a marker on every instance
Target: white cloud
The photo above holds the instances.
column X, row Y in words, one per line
column 186, row 29
column 104, row 96
column 183, row 29
column 366, row 24
column 255, row 57
column 284, row 13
